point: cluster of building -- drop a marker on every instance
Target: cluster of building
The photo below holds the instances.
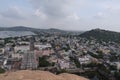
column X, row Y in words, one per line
column 67, row 53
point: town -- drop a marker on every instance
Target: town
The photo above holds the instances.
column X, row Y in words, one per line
column 96, row 60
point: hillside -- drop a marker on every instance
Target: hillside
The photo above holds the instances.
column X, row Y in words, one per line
column 23, row 28
column 17, row 28
column 38, row 75
column 37, row 30
column 6, row 34
column 102, row 35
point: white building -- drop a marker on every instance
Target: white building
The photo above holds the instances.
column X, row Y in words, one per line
column 24, row 43
column 21, row 48
column 63, row 64
column 2, row 50
column 84, row 60
column 17, row 55
column 42, row 46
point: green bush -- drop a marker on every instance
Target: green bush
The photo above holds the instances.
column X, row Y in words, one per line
column 43, row 62
column 2, row 70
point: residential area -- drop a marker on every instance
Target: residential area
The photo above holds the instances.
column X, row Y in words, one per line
column 57, row 54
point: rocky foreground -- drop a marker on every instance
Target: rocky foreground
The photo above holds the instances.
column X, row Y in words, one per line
column 38, row 75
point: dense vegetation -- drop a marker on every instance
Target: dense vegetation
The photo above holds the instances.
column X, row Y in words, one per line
column 2, row 70
column 98, row 56
column 102, row 35
column 75, row 60
column 44, row 63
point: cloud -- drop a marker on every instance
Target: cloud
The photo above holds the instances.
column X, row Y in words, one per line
column 12, row 12
column 74, row 16
column 40, row 14
column 63, row 14
column 53, row 8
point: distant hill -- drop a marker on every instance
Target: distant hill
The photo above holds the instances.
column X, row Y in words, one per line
column 18, row 28
column 23, row 28
column 7, row 34
column 35, row 30
column 101, row 35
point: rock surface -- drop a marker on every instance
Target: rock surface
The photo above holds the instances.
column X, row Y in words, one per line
column 38, row 75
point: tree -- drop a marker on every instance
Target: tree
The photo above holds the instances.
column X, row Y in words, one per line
column 43, row 62
column 2, row 70
column 117, row 75
column 77, row 63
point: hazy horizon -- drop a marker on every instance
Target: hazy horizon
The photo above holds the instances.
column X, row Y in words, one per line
column 75, row 15
column 58, row 28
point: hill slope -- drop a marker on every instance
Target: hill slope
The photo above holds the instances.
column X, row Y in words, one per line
column 16, row 28
column 23, row 28
column 103, row 35
column 35, row 30
column 7, row 34
column 38, row 75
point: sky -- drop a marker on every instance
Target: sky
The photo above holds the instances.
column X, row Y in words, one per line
column 61, row 14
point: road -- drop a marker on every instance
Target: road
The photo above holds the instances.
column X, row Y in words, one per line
column 29, row 61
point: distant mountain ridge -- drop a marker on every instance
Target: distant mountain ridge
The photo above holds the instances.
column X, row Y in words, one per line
column 23, row 28
column 36, row 30
column 101, row 35
column 18, row 28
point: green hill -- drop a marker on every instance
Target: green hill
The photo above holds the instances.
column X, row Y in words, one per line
column 101, row 35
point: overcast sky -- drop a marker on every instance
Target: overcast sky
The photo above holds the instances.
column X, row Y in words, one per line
column 61, row 14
